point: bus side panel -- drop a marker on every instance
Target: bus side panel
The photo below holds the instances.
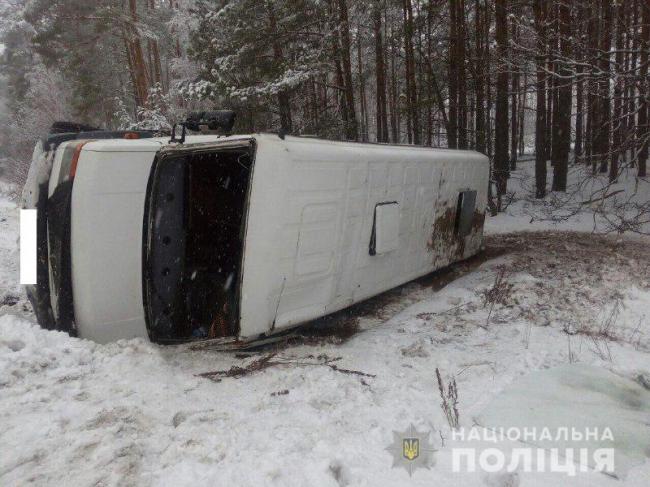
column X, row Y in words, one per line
column 311, row 221
column 106, row 244
column 263, row 275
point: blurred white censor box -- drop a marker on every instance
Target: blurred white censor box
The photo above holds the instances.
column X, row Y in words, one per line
column 28, row 246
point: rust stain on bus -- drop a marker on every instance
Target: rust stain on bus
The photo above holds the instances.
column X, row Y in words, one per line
column 444, row 241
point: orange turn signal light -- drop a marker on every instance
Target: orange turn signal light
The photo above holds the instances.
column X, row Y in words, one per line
column 75, row 158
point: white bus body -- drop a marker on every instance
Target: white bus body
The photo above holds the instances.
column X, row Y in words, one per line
column 241, row 237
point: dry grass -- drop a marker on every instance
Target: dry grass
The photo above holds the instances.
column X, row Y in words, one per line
column 500, row 290
column 579, row 281
column 499, row 293
column 606, row 331
column 449, row 396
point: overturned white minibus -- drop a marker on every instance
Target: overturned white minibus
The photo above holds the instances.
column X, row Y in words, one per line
column 235, row 238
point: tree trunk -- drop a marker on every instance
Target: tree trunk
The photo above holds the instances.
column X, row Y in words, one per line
column 643, row 128
column 394, row 112
column 617, row 138
column 128, row 52
column 419, row 88
column 540, row 107
column 513, row 102
column 501, row 172
column 562, row 111
column 488, row 78
column 284, row 101
column 593, row 105
column 155, row 68
column 605, row 118
column 462, row 83
column 344, row 29
column 411, row 93
column 380, row 74
column 579, row 113
column 552, row 36
column 631, row 81
column 479, row 80
column 141, row 86
column 430, row 78
column 522, row 114
column 452, row 54
column 362, row 93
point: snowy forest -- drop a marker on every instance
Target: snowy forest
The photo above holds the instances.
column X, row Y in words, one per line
column 567, row 80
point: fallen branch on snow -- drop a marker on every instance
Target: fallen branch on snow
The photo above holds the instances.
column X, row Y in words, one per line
column 267, row 361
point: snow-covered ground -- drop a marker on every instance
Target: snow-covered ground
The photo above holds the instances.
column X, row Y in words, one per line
column 321, row 410
column 10, row 290
column 611, row 206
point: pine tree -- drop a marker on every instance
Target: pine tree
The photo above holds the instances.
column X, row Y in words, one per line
column 257, row 57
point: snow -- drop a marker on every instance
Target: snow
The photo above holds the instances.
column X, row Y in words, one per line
column 564, row 211
column 587, row 398
column 9, row 222
column 132, row 412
